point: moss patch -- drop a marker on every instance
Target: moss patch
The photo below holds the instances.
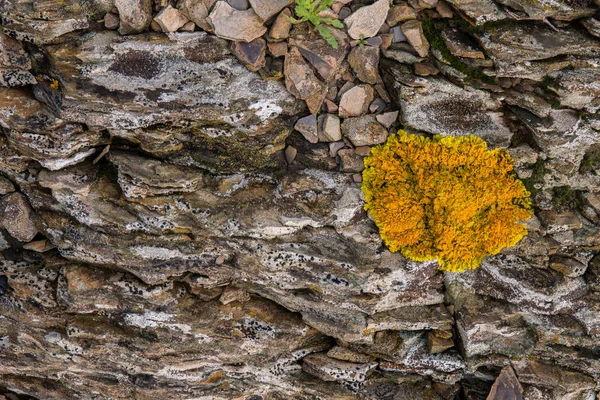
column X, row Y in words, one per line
column 437, row 42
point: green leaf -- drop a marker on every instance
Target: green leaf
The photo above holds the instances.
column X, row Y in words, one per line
column 333, row 22
column 327, row 35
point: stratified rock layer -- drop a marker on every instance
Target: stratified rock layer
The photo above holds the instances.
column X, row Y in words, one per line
column 165, row 234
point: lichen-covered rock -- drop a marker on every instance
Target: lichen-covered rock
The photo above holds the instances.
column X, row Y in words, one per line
column 444, row 108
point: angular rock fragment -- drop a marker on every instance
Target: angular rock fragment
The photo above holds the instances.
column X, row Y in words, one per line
column 135, row 15
column 170, row 19
column 350, row 161
column 366, row 21
column 197, row 12
column 280, row 30
column 307, row 126
column 252, row 54
column 265, row 9
column 14, row 63
column 400, row 13
column 364, row 61
column 364, row 131
column 236, row 25
column 355, row 101
column 16, row 216
column 414, row 34
column 506, row 386
column 414, row 318
column 331, row 128
column 302, row 82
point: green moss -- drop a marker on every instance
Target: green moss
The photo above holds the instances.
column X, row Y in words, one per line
column 591, row 161
column 537, row 176
column 234, row 153
column 437, row 42
column 566, row 198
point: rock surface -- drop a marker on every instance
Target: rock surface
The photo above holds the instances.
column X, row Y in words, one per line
column 173, row 225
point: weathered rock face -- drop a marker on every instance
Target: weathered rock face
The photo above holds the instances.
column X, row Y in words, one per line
column 165, row 234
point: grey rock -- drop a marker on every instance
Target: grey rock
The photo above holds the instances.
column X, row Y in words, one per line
column 388, row 118
column 307, row 126
column 236, row 25
column 135, row 15
column 16, row 216
column 265, row 9
column 444, row 108
column 30, row 21
column 415, row 318
column 197, row 12
column 366, row 21
column 330, row 369
column 364, row 131
column 252, row 54
column 137, row 79
column 301, row 81
column 481, row 11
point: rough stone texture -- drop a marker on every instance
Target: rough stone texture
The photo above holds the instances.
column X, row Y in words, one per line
column 135, row 15
column 506, row 386
column 366, row 21
column 173, row 253
column 265, row 9
column 170, row 19
column 236, row 25
column 435, row 105
column 364, row 61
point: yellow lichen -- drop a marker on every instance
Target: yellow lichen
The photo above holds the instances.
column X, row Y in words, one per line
column 446, row 198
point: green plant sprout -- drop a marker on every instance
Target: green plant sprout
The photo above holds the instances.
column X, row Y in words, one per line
column 308, row 10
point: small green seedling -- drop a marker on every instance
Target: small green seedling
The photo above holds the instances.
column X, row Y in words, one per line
column 308, row 10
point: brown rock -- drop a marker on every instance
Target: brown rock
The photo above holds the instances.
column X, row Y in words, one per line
column 232, row 24
column 364, row 131
column 444, row 9
column 290, row 154
column 427, row 3
column 437, row 344
column 265, row 9
column 555, row 222
column 345, row 354
column 355, row 101
column 6, row 186
column 278, row 49
column 170, row 19
column 302, row 82
column 190, row 26
column 506, row 386
column 40, row 246
column 362, row 150
column 334, row 147
column 330, row 106
column 326, row 60
column 400, row 13
column 111, row 21
column 413, row 30
column 425, row 69
column 567, row 266
column 331, row 128
column 197, row 12
column 232, row 293
column 364, row 61
column 350, row 161
column 16, row 216
column 135, row 15
column 252, row 54
column 280, row 30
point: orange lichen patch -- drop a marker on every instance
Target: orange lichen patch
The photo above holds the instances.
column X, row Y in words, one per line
column 446, row 198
